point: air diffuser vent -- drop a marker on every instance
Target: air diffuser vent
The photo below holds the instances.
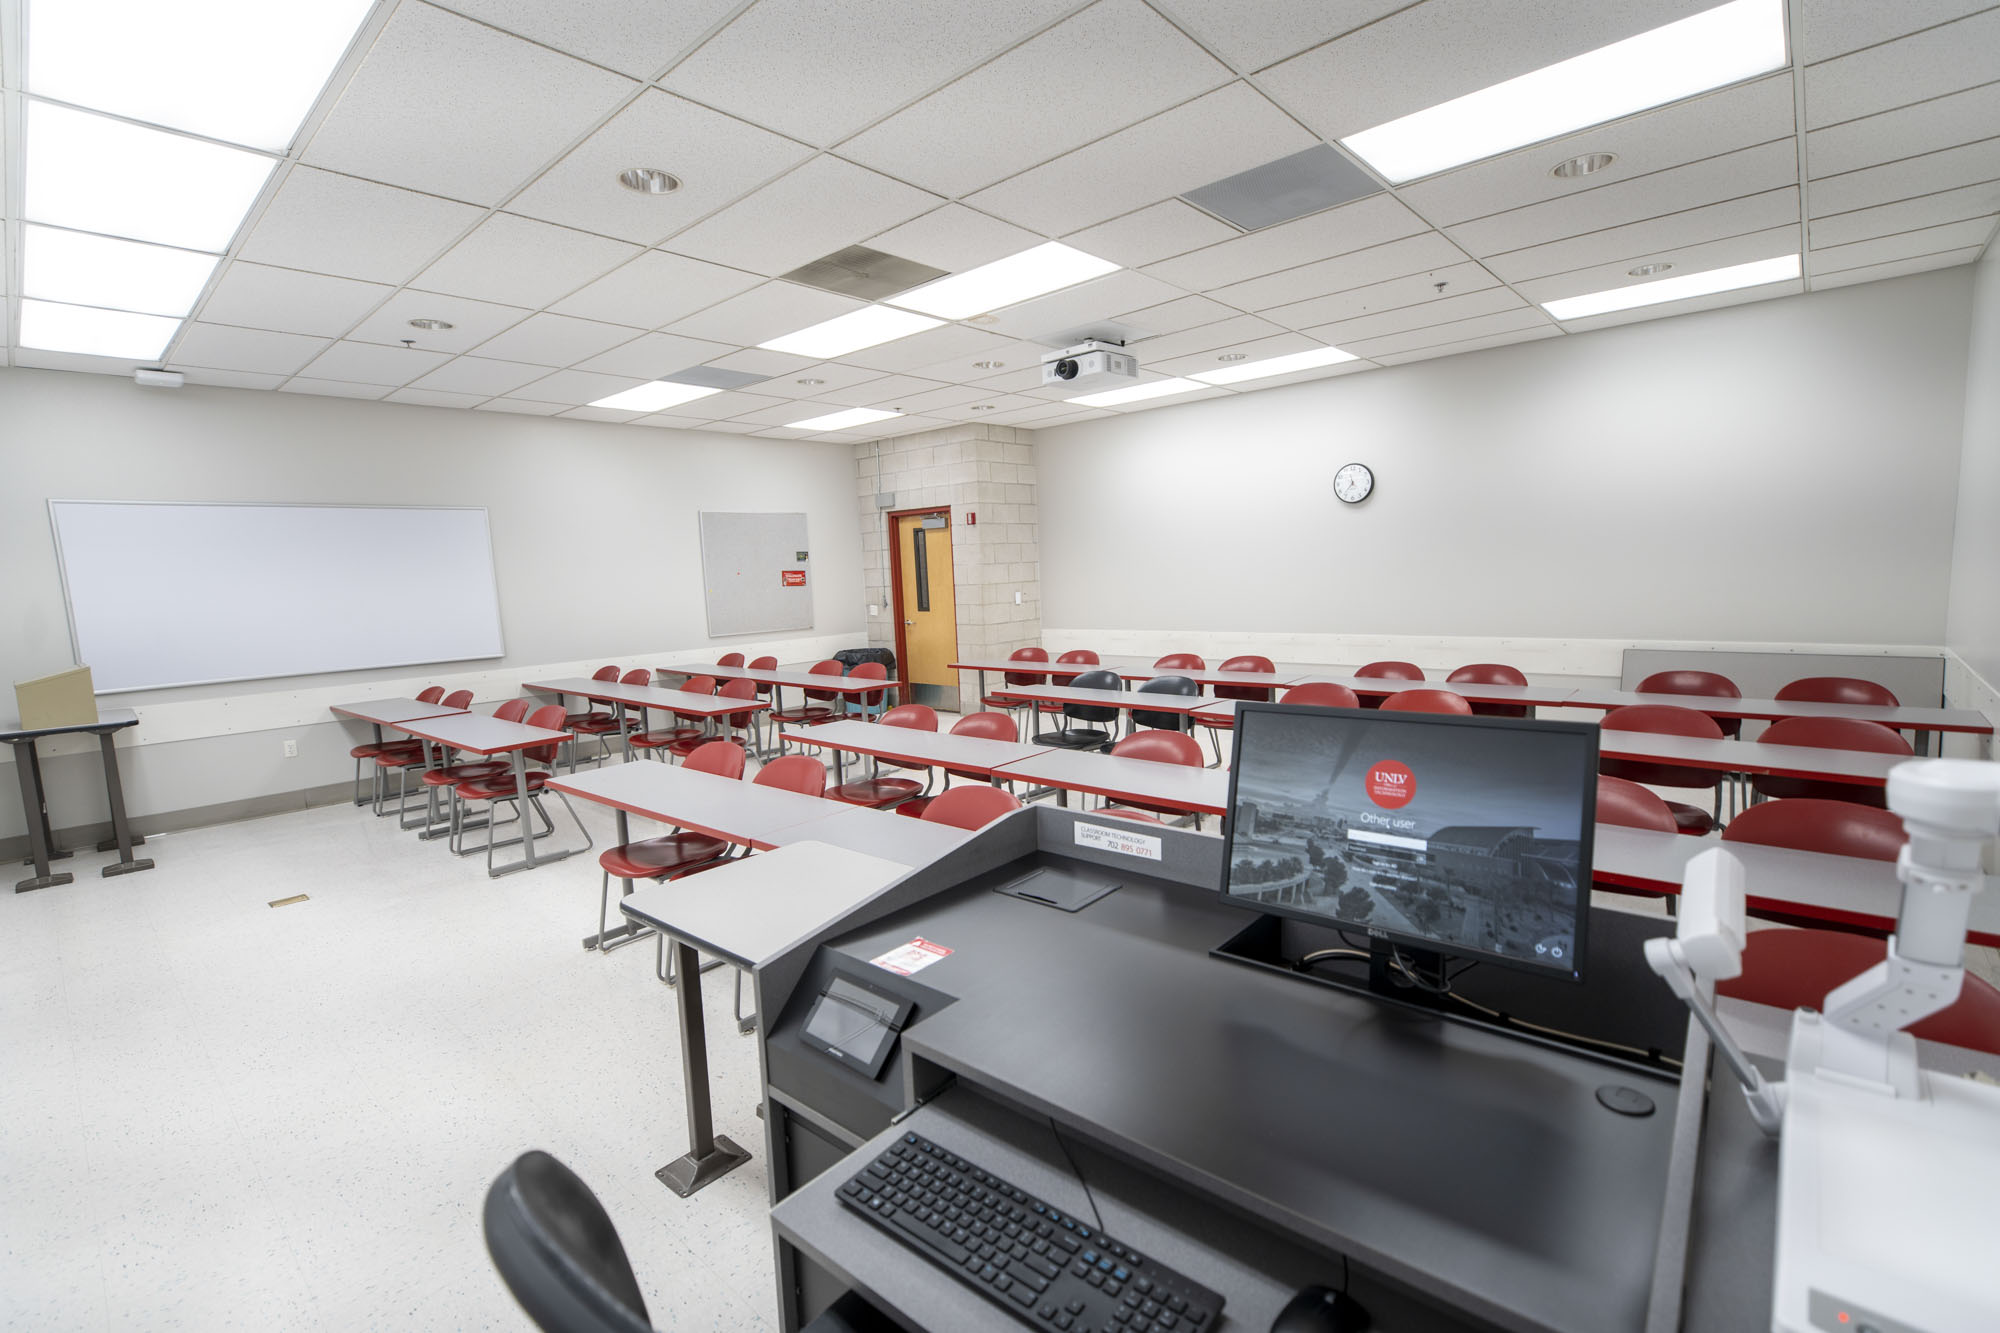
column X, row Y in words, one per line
column 861, row 272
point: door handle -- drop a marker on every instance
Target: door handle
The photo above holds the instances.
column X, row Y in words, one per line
column 909, row 622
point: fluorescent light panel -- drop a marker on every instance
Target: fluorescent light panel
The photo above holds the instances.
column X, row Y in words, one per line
column 81, row 269
column 1276, row 365
column 1707, row 283
column 654, row 397
column 1719, row 46
column 90, row 173
column 854, row 416
column 851, row 332
column 1138, row 393
column 73, row 328
column 1034, row 272
column 244, row 71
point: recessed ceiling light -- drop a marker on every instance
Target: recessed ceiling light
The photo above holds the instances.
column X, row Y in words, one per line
column 655, row 396
column 82, row 269
column 74, row 328
column 988, row 365
column 1139, row 393
column 1571, row 168
column 1720, row 46
column 1649, row 270
column 649, row 180
column 243, row 71
column 432, row 324
column 866, row 327
column 1729, row 279
column 1277, row 365
column 1033, row 272
column 1234, row 356
column 853, row 416
column 809, row 380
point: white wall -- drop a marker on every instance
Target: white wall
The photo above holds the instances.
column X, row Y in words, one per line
column 1973, row 627
column 595, row 541
column 1781, row 471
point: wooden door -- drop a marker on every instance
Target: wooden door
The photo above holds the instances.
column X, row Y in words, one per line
column 927, row 607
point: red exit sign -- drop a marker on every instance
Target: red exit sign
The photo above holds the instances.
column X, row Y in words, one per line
column 793, row 578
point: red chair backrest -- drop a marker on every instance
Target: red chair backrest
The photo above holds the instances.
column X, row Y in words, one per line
column 1838, row 690
column 872, row 671
column 1180, row 662
column 637, row 676
column 1161, row 747
column 970, row 807
column 764, row 664
column 1426, row 701
column 1629, row 805
column 1249, row 663
column 1322, row 694
column 827, row 668
column 917, row 717
column 985, row 726
column 1027, row 655
column 1256, row 692
column 512, row 711
column 1391, row 671
column 458, row 699
column 1809, row 824
column 1791, row 968
column 698, row 685
column 722, row 758
column 1835, row 733
column 549, row 716
column 730, row 660
column 1074, row 657
column 1488, row 673
column 605, row 673
column 1690, row 682
column 738, row 689
column 1662, row 720
column 802, row 773
column 430, row 694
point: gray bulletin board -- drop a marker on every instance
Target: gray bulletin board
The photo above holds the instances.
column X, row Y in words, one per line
column 756, row 577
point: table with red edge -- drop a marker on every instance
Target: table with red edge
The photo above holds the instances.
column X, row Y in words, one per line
column 909, row 745
column 476, row 733
column 1196, row 790
column 1923, row 721
column 380, row 713
column 778, row 678
column 1550, row 696
column 1127, row 700
column 707, row 707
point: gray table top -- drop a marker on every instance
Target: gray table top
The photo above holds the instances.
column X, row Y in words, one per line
column 1770, row 710
column 476, row 733
column 882, row 833
column 1067, row 694
column 733, row 809
column 804, row 680
column 1864, row 767
column 108, row 719
column 1546, row 695
column 974, row 754
column 1182, row 786
column 646, row 696
column 388, row 712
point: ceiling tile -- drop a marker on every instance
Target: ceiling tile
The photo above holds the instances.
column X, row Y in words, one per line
column 1251, row 34
column 825, row 205
column 325, row 223
column 521, row 407
column 555, row 340
column 334, row 388
column 1185, row 312
column 732, row 427
column 1940, row 123
column 258, row 296
column 372, row 363
column 1931, row 173
column 1942, row 60
column 1908, row 215
column 435, row 398
column 954, row 238
column 1896, row 269
column 1205, row 338
column 1742, row 296
column 778, row 414
column 1257, row 349
column 764, row 313
column 599, row 414
column 1014, row 353
column 1229, row 130
column 1759, row 212
column 1348, row 333
column 442, row 104
column 1830, row 28
column 1110, row 66
column 654, row 289
column 1337, row 231
column 888, row 391
column 472, row 322
column 1306, row 376
column 668, row 421
column 477, row 375
column 635, row 37
column 224, row 348
column 771, row 64
column 722, row 406
column 1507, row 321
column 1046, row 414
column 1087, row 303
column 519, row 261
column 1902, row 245
column 1469, row 345
column 952, row 342
column 1731, row 176
column 1685, row 259
column 832, row 376
column 575, row 387
column 654, row 355
column 230, row 379
column 1669, row 136
column 1147, row 235
column 1422, row 253
column 717, row 158
column 36, row 358
column 1375, row 297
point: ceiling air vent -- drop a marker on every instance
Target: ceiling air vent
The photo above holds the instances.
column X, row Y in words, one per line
column 860, row 272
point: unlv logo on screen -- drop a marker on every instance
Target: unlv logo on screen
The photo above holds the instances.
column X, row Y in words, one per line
column 1391, row 785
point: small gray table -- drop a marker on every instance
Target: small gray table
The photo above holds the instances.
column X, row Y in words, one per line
column 477, row 734
column 1198, row 791
column 35, row 802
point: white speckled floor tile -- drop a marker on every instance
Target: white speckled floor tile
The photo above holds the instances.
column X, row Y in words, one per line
column 220, row 1114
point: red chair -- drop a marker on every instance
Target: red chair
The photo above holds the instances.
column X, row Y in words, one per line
column 738, row 688
column 1668, row 720
column 984, row 726
column 1702, row 684
column 764, row 664
column 1828, row 733
column 730, row 660
column 1156, row 747
column 1255, row 693
column 869, row 704
column 1629, row 805
column 1805, row 824
column 1387, row 671
column 525, row 794
column 430, row 694
column 685, row 726
column 1839, row 690
column 372, row 750
column 595, row 723
column 1491, row 673
column 1427, row 701
column 1011, row 706
column 1792, row 968
column 817, row 707
column 878, row 792
column 1174, row 662
column 458, row 699
column 802, row 773
column 665, row 857
column 971, row 807
column 1322, row 694
column 402, row 757
column 446, row 777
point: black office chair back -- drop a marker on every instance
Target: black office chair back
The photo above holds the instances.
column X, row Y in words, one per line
column 1180, row 685
column 557, row 1251
column 1094, row 680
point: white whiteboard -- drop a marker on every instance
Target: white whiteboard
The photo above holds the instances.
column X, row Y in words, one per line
column 756, row 575
column 189, row 594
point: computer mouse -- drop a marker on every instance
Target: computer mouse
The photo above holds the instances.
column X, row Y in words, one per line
column 1321, row 1310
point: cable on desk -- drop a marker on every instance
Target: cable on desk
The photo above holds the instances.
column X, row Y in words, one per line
column 1320, row 955
column 1096, row 1219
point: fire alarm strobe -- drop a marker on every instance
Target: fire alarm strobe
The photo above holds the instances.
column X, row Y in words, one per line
column 1090, row 366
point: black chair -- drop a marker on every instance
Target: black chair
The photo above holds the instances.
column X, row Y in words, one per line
column 1086, row 738
column 1180, row 685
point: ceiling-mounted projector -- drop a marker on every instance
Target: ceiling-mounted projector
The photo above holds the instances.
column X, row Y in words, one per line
column 1089, row 367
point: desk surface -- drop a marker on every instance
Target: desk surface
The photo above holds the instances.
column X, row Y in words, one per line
column 973, row 754
column 1863, row 767
column 882, row 833
column 1182, row 786
column 804, row 680
column 1068, row 694
column 1770, row 710
column 108, row 719
column 476, row 733
column 646, row 696
column 733, row 809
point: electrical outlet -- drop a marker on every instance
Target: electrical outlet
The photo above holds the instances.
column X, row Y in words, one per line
column 874, row 610
column 1017, row 597
column 291, row 749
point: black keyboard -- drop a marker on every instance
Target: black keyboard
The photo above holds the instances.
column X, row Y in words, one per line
column 1049, row 1269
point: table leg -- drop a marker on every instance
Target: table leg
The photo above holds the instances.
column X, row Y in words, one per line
column 624, row 735
column 432, row 795
column 376, row 776
column 710, row 1156
column 526, row 815
column 1923, row 745
column 630, row 930
column 121, row 831
column 35, row 806
column 839, row 768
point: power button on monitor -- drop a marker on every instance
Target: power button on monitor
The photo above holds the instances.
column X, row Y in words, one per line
column 1624, row 1100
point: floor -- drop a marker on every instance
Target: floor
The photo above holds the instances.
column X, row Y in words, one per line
column 220, row 1114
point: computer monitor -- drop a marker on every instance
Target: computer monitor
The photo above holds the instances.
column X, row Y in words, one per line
column 1436, row 836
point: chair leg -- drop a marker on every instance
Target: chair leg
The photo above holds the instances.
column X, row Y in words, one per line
column 745, row 1023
